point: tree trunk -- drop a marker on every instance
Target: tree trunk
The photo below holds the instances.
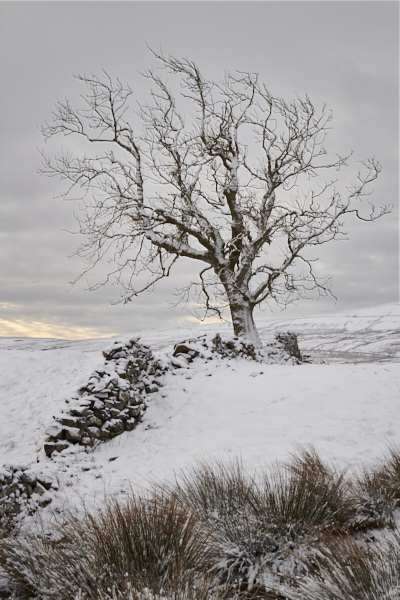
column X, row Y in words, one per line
column 243, row 322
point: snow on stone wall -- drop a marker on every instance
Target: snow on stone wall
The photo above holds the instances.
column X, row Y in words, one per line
column 23, row 489
column 112, row 402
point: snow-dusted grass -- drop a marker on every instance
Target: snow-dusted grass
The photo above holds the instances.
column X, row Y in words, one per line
column 217, row 531
column 377, row 492
column 347, row 570
column 145, row 543
column 263, row 520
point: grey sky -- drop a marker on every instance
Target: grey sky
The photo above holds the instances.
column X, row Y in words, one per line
column 343, row 53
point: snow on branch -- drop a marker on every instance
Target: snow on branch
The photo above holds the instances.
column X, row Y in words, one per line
column 219, row 172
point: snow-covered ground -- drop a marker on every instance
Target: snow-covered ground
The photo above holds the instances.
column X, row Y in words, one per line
column 348, row 407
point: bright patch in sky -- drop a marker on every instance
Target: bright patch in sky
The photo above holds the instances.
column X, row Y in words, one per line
column 41, row 329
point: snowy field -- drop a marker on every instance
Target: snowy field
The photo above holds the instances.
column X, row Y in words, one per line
column 348, row 407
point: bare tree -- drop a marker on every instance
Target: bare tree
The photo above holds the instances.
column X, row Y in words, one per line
column 223, row 173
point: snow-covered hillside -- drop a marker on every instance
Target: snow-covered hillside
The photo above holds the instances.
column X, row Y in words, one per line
column 348, row 407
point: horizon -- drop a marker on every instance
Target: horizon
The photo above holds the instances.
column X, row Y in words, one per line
column 193, row 324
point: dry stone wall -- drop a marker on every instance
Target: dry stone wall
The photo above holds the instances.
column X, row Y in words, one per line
column 23, row 489
column 283, row 349
column 112, row 401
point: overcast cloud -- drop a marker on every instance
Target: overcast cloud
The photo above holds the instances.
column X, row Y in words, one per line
column 343, row 53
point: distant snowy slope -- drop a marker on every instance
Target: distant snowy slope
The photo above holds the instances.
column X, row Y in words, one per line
column 348, row 407
column 369, row 334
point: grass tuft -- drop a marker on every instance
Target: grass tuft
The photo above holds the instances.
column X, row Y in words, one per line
column 146, row 543
column 345, row 569
column 261, row 522
column 310, row 492
column 376, row 493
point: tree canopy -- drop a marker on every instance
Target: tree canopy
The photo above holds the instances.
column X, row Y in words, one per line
column 221, row 172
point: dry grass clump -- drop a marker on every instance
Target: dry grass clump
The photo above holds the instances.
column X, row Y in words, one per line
column 146, row 543
column 345, row 569
column 374, row 502
column 262, row 524
column 391, row 470
column 376, row 493
column 312, row 493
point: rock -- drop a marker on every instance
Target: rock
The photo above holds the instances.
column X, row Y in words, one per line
column 115, row 427
column 74, row 435
column 45, row 482
column 49, row 448
column 114, row 412
column 179, row 362
column 152, row 388
column 184, row 349
column 94, row 432
column 130, row 424
column 28, row 477
column 44, row 501
column 39, row 489
column 120, row 404
column 13, row 508
column 5, row 491
column 288, row 340
column 94, row 421
column 60, row 446
column 101, row 414
column 131, row 398
column 81, row 412
column 55, row 431
column 134, row 411
column 103, row 395
column 74, row 422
